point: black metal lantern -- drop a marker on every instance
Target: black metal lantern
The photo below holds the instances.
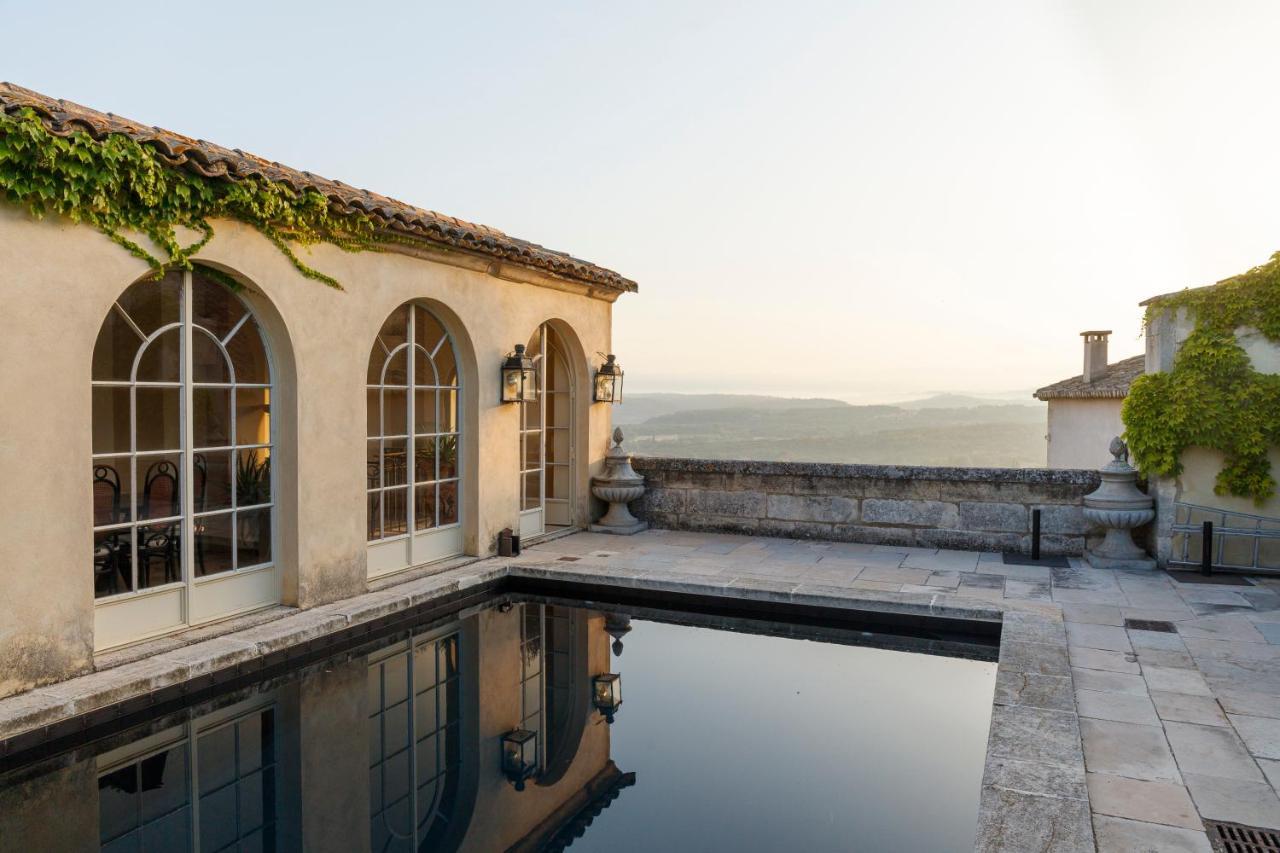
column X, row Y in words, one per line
column 519, row 756
column 606, row 693
column 519, row 378
column 609, row 381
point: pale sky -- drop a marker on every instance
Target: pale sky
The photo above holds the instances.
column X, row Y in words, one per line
column 865, row 200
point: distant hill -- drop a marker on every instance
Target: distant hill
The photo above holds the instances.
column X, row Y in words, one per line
column 975, row 433
column 964, row 401
column 637, row 408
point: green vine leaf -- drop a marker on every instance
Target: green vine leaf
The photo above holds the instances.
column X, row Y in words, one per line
column 120, row 186
column 1213, row 397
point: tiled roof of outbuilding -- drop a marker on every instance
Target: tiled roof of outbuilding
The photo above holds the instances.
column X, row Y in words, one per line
column 212, row 160
column 1113, row 385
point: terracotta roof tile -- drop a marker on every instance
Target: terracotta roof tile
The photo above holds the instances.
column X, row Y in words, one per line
column 212, row 160
column 1114, row 384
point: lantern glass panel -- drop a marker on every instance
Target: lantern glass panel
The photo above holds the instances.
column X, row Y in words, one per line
column 529, row 385
column 604, row 388
column 608, row 691
column 511, row 384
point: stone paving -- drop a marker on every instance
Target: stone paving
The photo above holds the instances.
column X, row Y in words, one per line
column 1175, row 727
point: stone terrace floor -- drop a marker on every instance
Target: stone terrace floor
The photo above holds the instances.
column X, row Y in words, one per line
column 1175, row 726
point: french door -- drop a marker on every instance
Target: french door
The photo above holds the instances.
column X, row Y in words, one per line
column 183, row 495
column 546, row 440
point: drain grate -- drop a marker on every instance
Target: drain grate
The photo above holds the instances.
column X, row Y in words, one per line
column 1236, row 838
column 1150, row 625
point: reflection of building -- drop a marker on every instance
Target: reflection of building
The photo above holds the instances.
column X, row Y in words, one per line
column 292, row 767
column 1084, row 410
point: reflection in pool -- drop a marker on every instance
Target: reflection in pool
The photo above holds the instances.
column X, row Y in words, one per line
column 728, row 740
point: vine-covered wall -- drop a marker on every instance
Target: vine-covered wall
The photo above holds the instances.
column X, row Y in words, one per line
column 1213, row 397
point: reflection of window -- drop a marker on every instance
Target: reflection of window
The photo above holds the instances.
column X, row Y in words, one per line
column 552, row 690
column 412, row 447
column 146, row 805
column 561, row 683
column 531, row 673
column 414, row 745
column 181, row 436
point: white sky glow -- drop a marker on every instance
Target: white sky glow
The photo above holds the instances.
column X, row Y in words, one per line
column 866, row 200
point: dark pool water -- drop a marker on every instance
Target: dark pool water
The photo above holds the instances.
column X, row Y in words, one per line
column 735, row 740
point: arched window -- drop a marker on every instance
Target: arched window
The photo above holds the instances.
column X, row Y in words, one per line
column 547, row 439
column 182, row 448
column 413, row 442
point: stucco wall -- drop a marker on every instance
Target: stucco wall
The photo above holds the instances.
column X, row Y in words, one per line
column 59, row 280
column 1080, row 432
column 986, row 509
column 1195, row 485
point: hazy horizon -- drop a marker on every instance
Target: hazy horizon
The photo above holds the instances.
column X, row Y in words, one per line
column 863, row 200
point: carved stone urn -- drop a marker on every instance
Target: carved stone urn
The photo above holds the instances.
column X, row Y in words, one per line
column 619, row 486
column 1117, row 506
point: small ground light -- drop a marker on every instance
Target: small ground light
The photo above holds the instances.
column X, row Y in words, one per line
column 519, row 756
column 609, row 381
column 607, row 694
column 519, row 378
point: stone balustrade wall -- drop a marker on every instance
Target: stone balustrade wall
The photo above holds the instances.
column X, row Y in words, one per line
column 986, row 509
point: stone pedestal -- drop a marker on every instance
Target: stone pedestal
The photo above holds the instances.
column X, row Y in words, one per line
column 619, row 486
column 1117, row 506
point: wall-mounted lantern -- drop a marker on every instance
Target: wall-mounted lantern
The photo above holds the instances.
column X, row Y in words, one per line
column 606, row 693
column 609, row 381
column 519, row 378
column 519, row 756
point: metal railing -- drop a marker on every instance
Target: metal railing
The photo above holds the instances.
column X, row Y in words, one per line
column 1237, row 540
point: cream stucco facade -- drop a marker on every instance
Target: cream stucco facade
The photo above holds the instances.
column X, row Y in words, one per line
column 60, row 280
column 1080, row 431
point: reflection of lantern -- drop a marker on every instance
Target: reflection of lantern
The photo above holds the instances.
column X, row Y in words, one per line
column 519, row 378
column 609, row 381
column 606, row 692
column 519, row 756
column 617, row 625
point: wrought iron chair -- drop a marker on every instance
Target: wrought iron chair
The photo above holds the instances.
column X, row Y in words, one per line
column 160, row 499
column 200, row 477
column 110, row 553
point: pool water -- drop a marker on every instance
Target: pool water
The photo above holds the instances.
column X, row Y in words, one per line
column 733, row 734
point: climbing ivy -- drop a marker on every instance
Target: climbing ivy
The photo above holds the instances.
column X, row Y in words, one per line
column 1213, row 397
column 123, row 188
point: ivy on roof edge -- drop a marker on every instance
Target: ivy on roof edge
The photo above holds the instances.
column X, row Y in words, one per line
column 1213, row 397
column 122, row 187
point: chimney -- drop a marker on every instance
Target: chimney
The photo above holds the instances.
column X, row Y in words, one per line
column 1095, row 354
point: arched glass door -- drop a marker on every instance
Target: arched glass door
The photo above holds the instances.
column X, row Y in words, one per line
column 411, row 454
column 183, row 497
column 547, row 440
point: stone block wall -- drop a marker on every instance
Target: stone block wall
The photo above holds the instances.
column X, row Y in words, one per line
column 986, row 509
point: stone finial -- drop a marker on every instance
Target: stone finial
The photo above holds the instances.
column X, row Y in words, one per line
column 617, row 436
column 1120, row 450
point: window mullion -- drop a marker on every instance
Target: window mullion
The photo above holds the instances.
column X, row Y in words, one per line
column 410, row 428
column 187, row 524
